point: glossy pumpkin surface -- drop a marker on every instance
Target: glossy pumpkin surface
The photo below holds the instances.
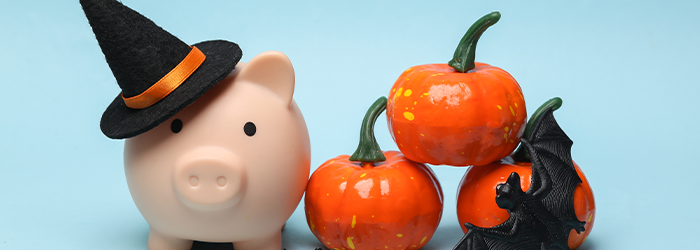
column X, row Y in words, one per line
column 395, row 204
column 476, row 198
column 373, row 199
column 460, row 113
column 440, row 116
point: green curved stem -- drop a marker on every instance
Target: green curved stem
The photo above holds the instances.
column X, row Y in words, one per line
column 463, row 59
column 368, row 150
column 521, row 154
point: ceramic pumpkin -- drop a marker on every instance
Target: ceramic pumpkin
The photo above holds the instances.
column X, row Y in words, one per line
column 373, row 199
column 461, row 113
column 477, row 190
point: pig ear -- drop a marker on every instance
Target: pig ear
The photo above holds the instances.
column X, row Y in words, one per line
column 272, row 70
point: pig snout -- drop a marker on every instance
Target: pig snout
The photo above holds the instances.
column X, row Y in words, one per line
column 209, row 178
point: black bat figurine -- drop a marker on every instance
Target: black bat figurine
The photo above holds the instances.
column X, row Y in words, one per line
column 543, row 216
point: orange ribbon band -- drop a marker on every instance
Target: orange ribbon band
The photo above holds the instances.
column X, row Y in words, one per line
column 168, row 83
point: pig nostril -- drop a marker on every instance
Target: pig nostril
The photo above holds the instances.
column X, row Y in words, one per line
column 194, row 181
column 221, row 181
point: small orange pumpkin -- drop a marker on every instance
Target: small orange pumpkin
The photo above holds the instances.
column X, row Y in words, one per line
column 373, row 200
column 461, row 113
column 476, row 196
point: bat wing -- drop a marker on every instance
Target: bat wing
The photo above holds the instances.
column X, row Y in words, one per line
column 550, row 151
column 475, row 240
column 511, row 234
column 543, row 216
column 472, row 240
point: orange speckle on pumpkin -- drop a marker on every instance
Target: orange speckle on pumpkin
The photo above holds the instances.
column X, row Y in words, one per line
column 422, row 135
column 411, row 177
column 516, row 104
column 426, row 94
column 363, row 175
column 511, row 110
column 590, row 217
column 414, row 103
column 399, row 235
column 506, row 128
column 499, row 107
column 423, row 240
column 505, row 135
column 407, row 93
column 409, row 116
column 398, row 131
column 353, row 221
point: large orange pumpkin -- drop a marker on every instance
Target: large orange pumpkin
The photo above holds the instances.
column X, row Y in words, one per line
column 461, row 113
column 373, row 200
column 476, row 198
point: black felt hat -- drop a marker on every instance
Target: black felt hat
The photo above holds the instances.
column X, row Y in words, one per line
column 140, row 53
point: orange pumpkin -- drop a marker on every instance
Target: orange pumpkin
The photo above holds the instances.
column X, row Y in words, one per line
column 373, row 200
column 476, row 198
column 461, row 113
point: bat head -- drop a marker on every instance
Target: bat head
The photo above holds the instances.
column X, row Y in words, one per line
column 508, row 194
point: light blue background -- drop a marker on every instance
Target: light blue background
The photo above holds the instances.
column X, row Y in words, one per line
column 626, row 71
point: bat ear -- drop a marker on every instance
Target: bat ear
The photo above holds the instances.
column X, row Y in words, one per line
column 514, row 180
column 502, row 189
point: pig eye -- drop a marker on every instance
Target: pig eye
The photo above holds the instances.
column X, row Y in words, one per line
column 249, row 128
column 176, row 126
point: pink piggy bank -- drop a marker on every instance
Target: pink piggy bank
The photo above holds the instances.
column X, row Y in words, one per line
column 231, row 167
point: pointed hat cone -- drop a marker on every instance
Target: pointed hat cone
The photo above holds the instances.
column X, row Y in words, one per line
column 140, row 53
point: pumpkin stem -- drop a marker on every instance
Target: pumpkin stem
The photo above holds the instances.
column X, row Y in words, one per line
column 463, row 59
column 521, row 154
column 368, row 150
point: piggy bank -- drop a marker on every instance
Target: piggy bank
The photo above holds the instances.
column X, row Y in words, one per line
column 231, row 167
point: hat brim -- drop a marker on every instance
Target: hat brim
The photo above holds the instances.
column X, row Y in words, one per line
column 119, row 121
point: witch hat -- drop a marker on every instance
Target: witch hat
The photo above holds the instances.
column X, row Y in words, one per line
column 158, row 73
